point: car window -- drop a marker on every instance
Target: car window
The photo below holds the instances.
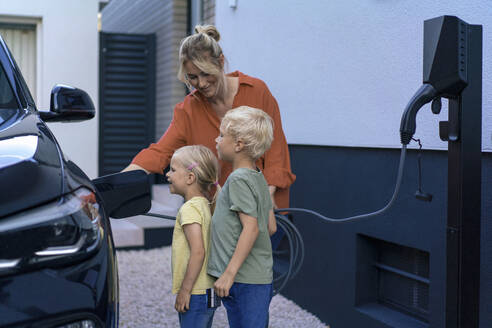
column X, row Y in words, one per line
column 8, row 103
column 27, row 92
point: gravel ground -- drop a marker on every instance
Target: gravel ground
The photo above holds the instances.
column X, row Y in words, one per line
column 146, row 300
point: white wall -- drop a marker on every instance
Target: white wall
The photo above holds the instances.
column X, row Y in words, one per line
column 343, row 71
column 68, row 51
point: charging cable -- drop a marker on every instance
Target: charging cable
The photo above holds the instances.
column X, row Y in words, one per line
column 361, row 216
column 420, row 194
column 161, row 216
column 294, row 238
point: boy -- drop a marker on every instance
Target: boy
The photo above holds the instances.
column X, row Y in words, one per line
column 240, row 248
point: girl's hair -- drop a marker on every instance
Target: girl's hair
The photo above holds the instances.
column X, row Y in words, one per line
column 202, row 162
column 253, row 126
column 203, row 50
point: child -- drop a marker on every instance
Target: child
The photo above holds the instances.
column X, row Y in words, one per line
column 240, row 247
column 193, row 173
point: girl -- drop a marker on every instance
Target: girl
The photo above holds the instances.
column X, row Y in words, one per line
column 193, row 173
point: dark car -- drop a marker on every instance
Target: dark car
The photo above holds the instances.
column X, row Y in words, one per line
column 57, row 258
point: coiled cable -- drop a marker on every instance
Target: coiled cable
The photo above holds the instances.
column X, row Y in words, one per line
column 295, row 253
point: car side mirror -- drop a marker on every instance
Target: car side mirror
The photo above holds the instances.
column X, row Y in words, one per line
column 68, row 104
column 125, row 194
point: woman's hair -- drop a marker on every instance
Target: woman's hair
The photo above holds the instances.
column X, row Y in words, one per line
column 202, row 162
column 253, row 126
column 203, row 50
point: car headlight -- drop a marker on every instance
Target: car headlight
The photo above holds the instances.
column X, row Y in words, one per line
column 59, row 232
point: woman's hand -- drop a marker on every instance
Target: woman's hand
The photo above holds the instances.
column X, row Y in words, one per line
column 223, row 284
column 133, row 167
column 272, row 223
column 272, row 190
column 182, row 301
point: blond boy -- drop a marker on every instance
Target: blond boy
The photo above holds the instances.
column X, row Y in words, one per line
column 240, row 249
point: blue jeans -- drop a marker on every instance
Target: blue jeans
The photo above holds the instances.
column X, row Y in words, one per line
column 198, row 315
column 247, row 305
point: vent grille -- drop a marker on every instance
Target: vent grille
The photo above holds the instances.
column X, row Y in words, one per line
column 403, row 279
column 393, row 276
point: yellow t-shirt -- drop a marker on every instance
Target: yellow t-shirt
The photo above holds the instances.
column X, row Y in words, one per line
column 195, row 210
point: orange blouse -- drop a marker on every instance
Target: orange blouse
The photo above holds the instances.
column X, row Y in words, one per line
column 195, row 122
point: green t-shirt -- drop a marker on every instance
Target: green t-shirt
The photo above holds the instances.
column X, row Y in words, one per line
column 245, row 191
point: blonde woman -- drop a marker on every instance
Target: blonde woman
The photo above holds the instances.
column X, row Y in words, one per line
column 197, row 118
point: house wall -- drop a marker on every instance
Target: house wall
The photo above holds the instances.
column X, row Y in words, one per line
column 67, row 50
column 338, row 66
column 167, row 19
column 342, row 72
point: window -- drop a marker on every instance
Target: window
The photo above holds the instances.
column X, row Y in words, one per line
column 21, row 40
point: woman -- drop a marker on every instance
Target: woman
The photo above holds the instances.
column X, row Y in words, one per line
column 197, row 119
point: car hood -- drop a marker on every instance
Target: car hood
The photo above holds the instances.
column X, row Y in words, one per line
column 30, row 165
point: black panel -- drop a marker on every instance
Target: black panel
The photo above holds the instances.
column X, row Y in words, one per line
column 340, row 182
column 126, row 98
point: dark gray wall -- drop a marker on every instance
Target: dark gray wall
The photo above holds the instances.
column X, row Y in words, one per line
column 167, row 19
column 341, row 182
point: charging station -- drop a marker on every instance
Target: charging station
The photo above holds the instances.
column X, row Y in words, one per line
column 452, row 69
column 463, row 131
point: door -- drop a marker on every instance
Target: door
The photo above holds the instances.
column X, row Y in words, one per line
column 126, row 98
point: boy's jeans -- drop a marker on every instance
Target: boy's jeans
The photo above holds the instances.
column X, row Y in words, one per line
column 247, row 305
column 199, row 315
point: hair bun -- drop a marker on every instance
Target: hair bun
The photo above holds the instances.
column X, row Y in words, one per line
column 209, row 30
